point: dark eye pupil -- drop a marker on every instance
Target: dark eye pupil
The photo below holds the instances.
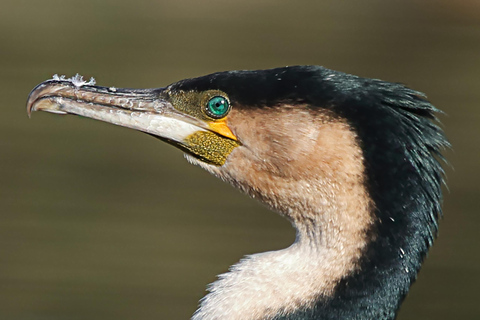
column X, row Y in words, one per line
column 217, row 107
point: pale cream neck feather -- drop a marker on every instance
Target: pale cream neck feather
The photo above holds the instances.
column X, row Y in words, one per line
column 315, row 179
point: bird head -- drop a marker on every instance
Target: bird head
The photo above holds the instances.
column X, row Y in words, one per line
column 269, row 132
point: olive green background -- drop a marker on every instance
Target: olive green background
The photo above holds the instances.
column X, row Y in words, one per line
column 101, row 222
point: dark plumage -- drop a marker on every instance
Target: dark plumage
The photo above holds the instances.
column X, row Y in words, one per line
column 401, row 146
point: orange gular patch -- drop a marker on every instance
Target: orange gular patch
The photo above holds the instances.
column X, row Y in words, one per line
column 222, row 129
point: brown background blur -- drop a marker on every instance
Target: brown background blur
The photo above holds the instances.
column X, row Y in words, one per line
column 101, row 222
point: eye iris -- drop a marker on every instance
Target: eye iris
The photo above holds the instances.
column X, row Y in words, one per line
column 217, row 107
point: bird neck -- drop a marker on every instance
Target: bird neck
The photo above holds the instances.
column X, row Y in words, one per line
column 327, row 202
column 265, row 285
column 332, row 221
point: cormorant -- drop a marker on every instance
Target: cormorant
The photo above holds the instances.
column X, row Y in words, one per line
column 353, row 163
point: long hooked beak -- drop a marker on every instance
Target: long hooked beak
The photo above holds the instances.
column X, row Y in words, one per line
column 146, row 110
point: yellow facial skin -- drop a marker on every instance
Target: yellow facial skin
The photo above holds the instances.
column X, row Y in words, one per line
column 211, row 146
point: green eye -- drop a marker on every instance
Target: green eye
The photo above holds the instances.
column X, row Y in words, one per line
column 217, row 107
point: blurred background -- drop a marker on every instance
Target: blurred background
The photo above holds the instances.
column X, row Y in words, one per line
column 101, row 222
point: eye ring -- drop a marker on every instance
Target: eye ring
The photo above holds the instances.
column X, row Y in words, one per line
column 217, row 107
